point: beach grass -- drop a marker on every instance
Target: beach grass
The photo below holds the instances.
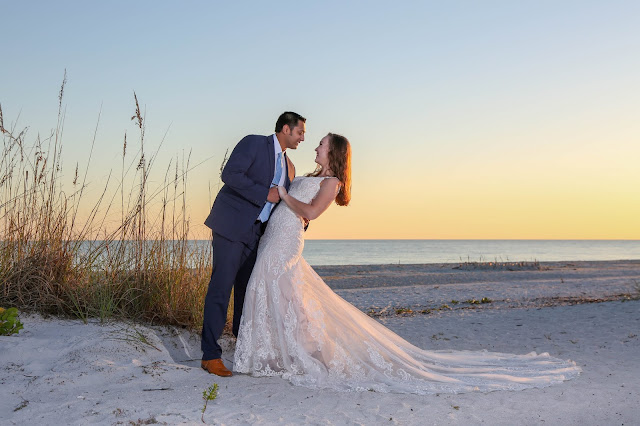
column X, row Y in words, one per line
column 122, row 259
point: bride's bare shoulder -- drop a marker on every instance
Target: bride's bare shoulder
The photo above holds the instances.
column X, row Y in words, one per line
column 330, row 180
column 330, row 183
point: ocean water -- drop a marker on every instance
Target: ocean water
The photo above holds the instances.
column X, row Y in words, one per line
column 371, row 252
column 368, row 252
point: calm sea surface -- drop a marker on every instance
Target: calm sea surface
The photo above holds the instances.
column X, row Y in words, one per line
column 366, row 252
column 371, row 252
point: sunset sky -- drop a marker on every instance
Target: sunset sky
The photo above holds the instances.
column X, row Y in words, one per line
column 468, row 119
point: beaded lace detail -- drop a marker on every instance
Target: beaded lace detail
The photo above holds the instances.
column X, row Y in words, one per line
column 293, row 325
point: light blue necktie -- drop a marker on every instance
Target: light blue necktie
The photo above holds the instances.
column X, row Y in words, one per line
column 266, row 210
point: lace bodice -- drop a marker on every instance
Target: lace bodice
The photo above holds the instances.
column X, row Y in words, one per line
column 283, row 241
column 305, row 188
column 293, row 325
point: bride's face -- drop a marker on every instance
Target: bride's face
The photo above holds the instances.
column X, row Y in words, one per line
column 322, row 152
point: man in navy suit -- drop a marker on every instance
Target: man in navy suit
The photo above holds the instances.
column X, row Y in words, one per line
column 238, row 218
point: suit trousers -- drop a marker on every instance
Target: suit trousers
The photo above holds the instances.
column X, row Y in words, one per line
column 232, row 266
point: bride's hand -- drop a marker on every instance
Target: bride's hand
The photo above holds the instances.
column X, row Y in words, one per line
column 282, row 192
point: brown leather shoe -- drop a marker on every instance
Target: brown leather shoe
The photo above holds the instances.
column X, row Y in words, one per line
column 215, row 366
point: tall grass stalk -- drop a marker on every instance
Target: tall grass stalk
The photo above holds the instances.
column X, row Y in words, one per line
column 144, row 267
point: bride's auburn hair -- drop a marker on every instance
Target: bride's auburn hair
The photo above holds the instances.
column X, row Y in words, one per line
column 340, row 165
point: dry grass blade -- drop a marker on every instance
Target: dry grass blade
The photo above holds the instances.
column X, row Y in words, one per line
column 2, row 121
column 61, row 94
column 137, row 115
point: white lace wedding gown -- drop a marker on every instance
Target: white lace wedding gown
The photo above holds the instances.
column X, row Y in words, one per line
column 293, row 325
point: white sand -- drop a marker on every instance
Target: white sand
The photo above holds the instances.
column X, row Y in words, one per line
column 65, row 372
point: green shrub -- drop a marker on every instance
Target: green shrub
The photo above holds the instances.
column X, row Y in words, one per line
column 9, row 322
column 209, row 395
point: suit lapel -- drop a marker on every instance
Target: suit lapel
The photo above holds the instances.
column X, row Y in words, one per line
column 289, row 168
column 271, row 158
column 291, row 171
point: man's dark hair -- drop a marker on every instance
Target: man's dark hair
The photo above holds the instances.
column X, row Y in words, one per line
column 290, row 119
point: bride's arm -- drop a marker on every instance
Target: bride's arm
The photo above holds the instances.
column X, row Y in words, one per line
column 327, row 194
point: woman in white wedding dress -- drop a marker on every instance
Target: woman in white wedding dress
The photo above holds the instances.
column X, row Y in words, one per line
column 293, row 325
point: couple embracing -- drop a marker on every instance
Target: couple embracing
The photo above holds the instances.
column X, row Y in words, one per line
column 256, row 178
column 288, row 322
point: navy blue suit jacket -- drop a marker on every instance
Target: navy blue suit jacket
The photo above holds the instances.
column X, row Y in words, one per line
column 247, row 178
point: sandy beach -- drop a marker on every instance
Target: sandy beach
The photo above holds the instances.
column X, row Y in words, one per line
column 59, row 371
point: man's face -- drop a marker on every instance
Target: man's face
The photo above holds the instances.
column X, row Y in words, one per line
column 294, row 136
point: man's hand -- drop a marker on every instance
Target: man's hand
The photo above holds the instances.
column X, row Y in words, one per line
column 273, row 196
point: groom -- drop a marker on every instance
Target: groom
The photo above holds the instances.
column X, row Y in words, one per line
column 238, row 218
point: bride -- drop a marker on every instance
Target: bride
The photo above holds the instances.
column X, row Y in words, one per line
column 293, row 325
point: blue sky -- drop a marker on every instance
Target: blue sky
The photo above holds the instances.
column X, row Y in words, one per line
column 476, row 119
